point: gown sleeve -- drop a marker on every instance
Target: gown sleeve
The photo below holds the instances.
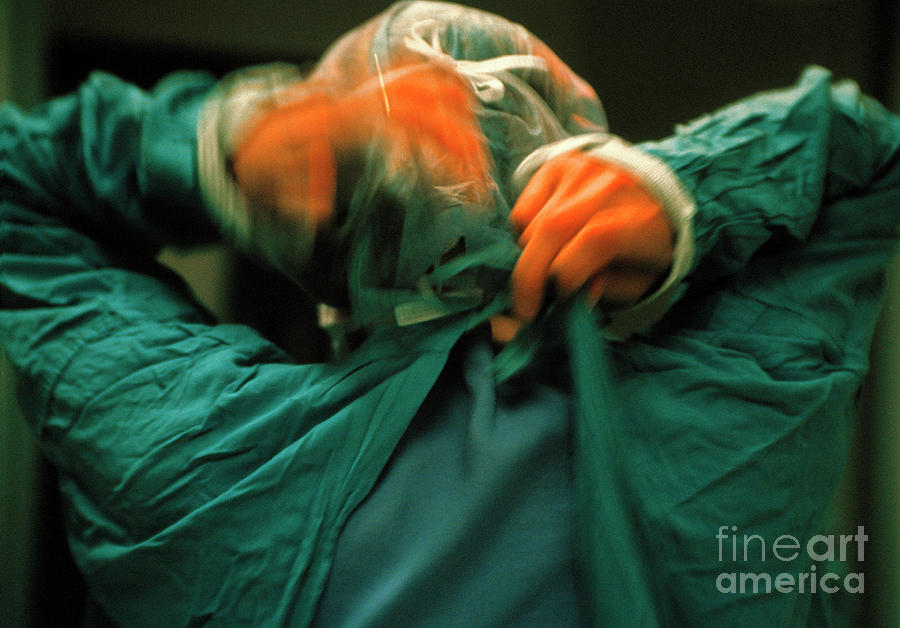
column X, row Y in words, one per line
column 764, row 167
column 92, row 185
column 204, row 475
column 740, row 402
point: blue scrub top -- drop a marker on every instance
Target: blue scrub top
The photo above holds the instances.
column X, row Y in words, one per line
column 471, row 522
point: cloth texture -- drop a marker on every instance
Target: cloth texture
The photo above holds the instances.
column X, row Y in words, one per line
column 207, row 477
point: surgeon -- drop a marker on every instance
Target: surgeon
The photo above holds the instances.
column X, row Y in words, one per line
column 582, row 358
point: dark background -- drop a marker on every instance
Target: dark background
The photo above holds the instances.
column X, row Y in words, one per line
column 654, row 63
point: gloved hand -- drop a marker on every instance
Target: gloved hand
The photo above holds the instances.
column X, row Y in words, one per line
column 421, row 118
column 587, row 224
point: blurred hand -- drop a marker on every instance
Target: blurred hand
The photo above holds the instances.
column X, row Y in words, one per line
column 585, row 224
column 421, row 119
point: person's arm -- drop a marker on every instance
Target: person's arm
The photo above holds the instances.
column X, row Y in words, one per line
column 768, row 164
column 112, row 160
column 201, row 475
column 747, row 387
column 92, row 184
column 280, row 155
column 744, row 392
column 798, row 193
column 778, row 167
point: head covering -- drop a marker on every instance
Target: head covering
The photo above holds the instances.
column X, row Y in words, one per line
column 406, row 252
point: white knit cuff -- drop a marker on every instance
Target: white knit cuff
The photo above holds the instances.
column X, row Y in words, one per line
column 228, row 113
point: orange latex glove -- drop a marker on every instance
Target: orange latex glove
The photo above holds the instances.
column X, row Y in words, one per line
column 587, row 224
column 421, row 118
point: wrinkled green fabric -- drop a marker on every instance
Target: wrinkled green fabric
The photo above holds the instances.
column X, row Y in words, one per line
column 206, row 476
column 740, row 403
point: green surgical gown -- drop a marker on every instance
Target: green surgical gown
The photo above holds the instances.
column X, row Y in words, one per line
column 206, row 476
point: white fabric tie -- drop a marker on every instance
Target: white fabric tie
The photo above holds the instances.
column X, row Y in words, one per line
column 424, row 38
